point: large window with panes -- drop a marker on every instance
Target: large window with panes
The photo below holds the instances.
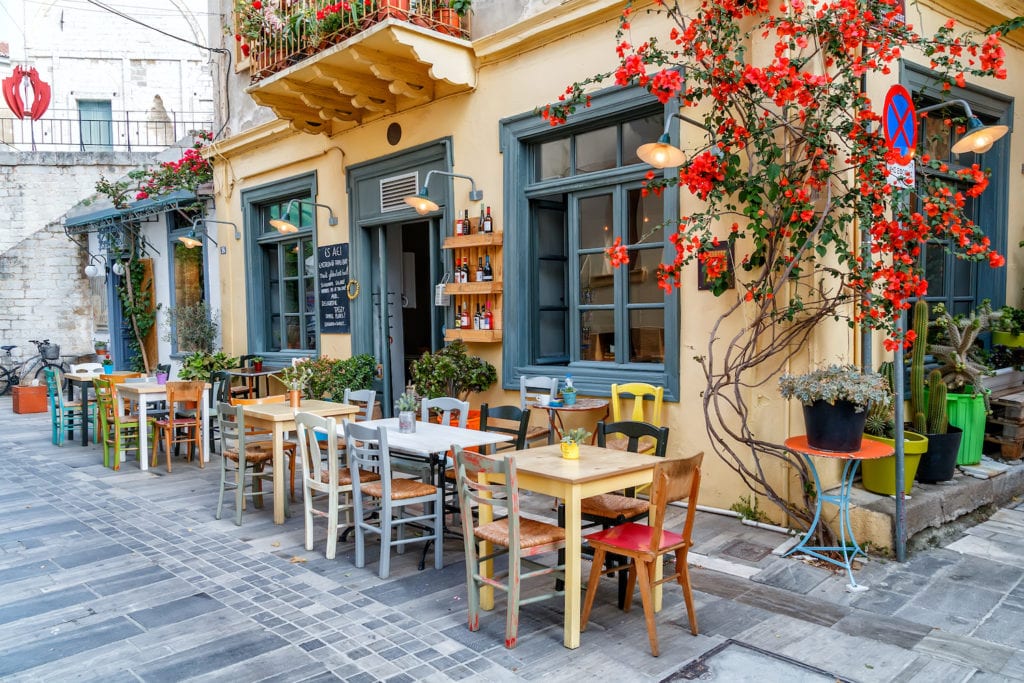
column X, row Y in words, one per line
column 577, row 190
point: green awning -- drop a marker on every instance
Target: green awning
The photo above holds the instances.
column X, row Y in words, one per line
column 110, row 217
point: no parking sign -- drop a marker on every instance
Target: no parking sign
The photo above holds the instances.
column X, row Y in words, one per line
column 899, row 123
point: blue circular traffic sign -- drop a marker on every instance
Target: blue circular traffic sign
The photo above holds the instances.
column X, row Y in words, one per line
column 899, row 122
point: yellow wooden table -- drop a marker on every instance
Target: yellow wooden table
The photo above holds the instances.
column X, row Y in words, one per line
column 279, row 418
column 598, row 470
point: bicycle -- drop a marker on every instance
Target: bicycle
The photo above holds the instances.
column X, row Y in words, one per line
column 13, row 372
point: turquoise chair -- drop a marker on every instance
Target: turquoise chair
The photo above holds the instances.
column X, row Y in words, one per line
column 65, row 415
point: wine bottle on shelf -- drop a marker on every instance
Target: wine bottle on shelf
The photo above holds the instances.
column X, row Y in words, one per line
column 476, row 318
column 458, row 225
column 480, row 269
column 465, row 315
column 483, row 216
column 488, row 317
column 465, row 269
column 488, row 225
column 488, row 273
column 467, row 227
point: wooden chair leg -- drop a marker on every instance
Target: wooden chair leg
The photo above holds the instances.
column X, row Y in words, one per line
column 643, row 571
column 683, row 572
column 595, row 578
column 630, row 586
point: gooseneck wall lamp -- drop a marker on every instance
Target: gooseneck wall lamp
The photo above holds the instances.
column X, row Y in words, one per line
column 663, row 154
column 424, row 205
column 284, row 225
column 195, row 239
column 94, row 270
column 979, row 138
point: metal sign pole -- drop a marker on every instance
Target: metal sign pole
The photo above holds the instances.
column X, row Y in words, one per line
column 901, row 511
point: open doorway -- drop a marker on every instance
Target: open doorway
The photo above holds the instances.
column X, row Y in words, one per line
column 406, row 322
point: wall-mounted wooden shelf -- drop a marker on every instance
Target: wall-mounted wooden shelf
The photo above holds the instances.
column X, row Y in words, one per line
column 477, row 295
column 473, row 335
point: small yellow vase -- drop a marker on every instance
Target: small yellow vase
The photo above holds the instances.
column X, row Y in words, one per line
column 571, row 451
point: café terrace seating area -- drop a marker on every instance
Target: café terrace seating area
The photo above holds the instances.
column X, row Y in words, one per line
column 374, row 497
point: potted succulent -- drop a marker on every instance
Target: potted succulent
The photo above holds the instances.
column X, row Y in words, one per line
column 101, row 347
column 571, row 441
column 406, row 408
column 961, row 372
column 929, row 409
column 295, row 379
column 1008, row 327
column 835, row 401
column 879, row 475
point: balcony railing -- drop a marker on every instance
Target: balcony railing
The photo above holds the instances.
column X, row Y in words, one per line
column 284, row 33
column 68, row 130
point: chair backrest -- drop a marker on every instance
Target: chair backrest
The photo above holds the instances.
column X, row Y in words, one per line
column 634, row 431
column 104, row 391
column 675, row 479
column 312, row 443
column 274, row 398
column 446, row 405
column 537, row 385
column 506, row 420
column 646, row 407
column 501, row 490
column 86, row 367
column 185, row 392
column 231, row 422
column 367, row 449
column 221, row 383
column 53, row 391
column 246, row 360
column 365, row 397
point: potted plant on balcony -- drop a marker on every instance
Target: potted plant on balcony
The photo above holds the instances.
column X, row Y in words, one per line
column 835, row 401
column 449, row 13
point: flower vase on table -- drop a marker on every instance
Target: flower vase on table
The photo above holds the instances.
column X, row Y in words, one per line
column 406, row 407
column 295, row 397
column 571, row 442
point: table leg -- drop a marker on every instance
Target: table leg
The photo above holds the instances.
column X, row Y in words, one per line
column 280, row 474
column 84, row 390
column 143, row 435
column 204, row 425
column 573, row 566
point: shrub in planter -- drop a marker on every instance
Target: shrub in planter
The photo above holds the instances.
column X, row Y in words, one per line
column 329, row 377
column 451, row 372
column 201, row 365
column 835, row 401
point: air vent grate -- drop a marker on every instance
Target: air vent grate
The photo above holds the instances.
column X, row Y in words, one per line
column 395, row 189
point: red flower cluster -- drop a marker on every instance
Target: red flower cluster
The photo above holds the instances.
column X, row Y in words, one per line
column 186, row 173
column 336, row 8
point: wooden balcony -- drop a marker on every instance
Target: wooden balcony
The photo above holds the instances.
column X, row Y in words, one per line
column 373, row 66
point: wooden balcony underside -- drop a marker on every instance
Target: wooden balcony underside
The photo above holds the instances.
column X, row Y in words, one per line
column 390, row 67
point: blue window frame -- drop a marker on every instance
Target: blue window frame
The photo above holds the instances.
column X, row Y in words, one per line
column 570, row 193
column 281, row 298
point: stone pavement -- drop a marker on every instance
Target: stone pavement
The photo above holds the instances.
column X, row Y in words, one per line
column 126, row 576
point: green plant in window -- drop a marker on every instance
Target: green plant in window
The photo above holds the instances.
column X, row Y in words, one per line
column 193, row 326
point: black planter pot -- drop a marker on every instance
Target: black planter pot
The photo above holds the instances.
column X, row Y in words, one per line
column 939, row 463
column 837, row 427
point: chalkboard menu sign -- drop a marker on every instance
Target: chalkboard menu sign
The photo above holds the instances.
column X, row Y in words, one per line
column 332, row 277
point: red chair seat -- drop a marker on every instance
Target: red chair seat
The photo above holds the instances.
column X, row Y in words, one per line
column 635, row 537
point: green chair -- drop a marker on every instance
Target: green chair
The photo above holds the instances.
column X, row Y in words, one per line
column 116, row 429
column 64, row 415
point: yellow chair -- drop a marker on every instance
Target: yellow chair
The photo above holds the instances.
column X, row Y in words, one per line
column 647, row 400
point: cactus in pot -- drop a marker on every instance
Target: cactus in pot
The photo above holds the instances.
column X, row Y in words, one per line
column 917, row 400
column 938, row 421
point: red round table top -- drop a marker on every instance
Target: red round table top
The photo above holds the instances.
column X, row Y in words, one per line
column 869, row 449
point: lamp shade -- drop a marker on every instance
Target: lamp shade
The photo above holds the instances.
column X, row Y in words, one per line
column 92, row 270
column 979, row 137
column 283, row 226
column 190, row 240
column 422, row 203
column 661, row 154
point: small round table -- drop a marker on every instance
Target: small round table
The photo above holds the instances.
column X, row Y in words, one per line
column 869, row 450
column 581, row 405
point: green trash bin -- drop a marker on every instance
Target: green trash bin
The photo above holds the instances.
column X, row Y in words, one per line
column 967, row 411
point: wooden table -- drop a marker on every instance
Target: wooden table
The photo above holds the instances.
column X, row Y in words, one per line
column 146, row 392
column 580, row 406
column 279, row 418
column 598, row 470
column 252, row 379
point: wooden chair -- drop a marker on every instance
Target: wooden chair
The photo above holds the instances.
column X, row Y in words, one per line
column 646, row 406
column 176, row 430
column 117, row 430
column 65, row 415
column 537, row 385
column 644, row 545
column 243, row 462
column 315, row 436
column 368, row 450
column 519, row 538
column 255, row 435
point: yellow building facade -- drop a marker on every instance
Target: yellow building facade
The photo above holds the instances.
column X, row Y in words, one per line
column 357, row 126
